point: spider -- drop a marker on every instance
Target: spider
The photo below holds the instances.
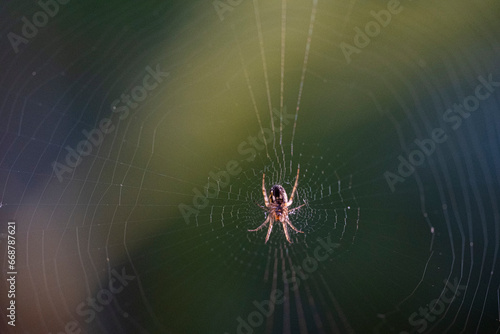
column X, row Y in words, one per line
column 277, row 207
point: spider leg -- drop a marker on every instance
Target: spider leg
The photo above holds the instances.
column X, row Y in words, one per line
column 285, row 228
column 291, row 225
column 294, row 188
column 271, row 223
column 263, row 224
column 264, row 192
column 293, row 210
column 264, row 208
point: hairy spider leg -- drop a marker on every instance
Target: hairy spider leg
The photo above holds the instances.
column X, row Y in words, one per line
column 271, row 223
column 264, row 192
column 291, row 225
column 294, row 189
column 293, row 210
column 285, row 228
column 263, row 207
column 268, row 219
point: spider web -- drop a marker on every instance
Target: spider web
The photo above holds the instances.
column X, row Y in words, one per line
column 149, row 233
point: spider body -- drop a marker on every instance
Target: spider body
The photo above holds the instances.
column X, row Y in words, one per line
column 277, row 208
column 278, row 199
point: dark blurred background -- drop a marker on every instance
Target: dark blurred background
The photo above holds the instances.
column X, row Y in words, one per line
column 161, row 96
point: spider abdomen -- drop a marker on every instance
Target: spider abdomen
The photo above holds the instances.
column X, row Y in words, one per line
column 278, row 195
